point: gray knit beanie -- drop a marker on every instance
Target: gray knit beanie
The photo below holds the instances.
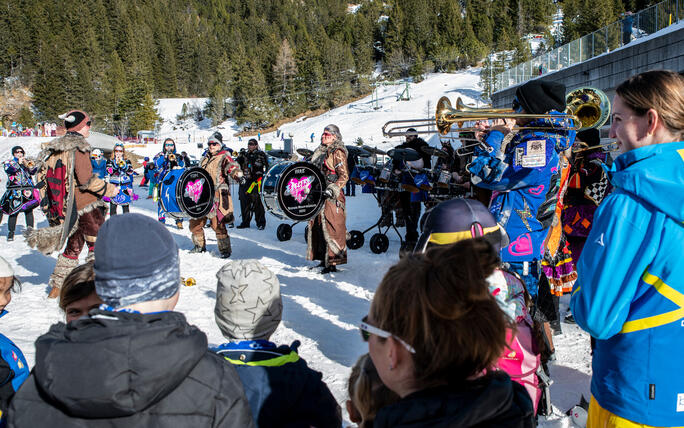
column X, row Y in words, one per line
column 248, row 302
column 333, row 129
column 136, row 260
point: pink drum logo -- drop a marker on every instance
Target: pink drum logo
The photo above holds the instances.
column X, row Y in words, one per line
column 299, row 189
column 194, row 190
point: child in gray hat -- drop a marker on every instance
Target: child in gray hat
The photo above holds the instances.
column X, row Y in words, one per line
column 134, row 361
column 281, row 389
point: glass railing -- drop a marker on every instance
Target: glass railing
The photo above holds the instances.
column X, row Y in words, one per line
column 606, row 39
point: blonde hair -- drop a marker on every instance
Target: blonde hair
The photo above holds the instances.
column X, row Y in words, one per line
column 367, row 392
column 661, row 90
column 439, row 303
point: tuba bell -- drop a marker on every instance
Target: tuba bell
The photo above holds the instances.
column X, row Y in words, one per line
column 590, row 105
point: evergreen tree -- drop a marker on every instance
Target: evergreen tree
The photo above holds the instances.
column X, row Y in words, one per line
column 145, row 117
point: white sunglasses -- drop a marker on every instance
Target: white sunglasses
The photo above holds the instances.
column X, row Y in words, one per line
column 367, row 330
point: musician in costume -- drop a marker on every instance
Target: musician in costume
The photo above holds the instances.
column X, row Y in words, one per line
column 21, row 195
column 327, row 232
column 120, row 173
column 99, row 163
column 521, row 169
column 411, row 202
column 70, row 195
column 163, row 163
column 221, row 167
column 254, row 164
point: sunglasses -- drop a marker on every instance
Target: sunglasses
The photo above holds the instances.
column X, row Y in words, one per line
column 169, row 145
column 19, row 151
column 213, row 144
column 118, row 151
column 327, row 134
column 367, row 329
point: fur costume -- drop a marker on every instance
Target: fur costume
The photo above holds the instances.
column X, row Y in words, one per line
column 327, row 232
column 63, row 214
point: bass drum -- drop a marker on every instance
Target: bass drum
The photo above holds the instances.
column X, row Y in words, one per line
column 187, row 193
column 293, row 190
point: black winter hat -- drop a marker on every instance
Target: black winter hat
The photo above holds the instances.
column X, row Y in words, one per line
column 539, row 96
column 458, row 219
column 218, row 136
column 590, row 136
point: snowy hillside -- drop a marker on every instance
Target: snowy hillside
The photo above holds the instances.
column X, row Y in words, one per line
column 321, row 311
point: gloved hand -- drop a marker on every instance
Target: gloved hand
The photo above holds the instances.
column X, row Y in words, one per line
column 329, row 193
column 242, row 180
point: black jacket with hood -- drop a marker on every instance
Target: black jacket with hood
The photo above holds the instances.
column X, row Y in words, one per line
column 118, row 369
column 491, row 401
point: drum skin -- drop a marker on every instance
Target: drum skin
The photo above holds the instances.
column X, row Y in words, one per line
column 187, row 193
column 293, row 190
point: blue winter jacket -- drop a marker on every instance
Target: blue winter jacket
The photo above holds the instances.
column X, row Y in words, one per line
column 13, row 371
column 281, row 389
column 630, row 289
column 522, row 175
column 99, row 167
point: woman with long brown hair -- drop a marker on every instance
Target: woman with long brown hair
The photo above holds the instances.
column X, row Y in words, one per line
column 433, row 330
column 630, row 289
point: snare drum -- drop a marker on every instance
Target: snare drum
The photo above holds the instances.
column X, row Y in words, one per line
column 293, row 190
column 187, row 193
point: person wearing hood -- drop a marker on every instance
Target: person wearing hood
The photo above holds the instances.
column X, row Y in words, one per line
column 132, row 362
column 327, row 232
column 221, row 168
column 521, row 167
column 13, row 367
column 281, row 389
column 433, row 331
column 71, row 195
column 162, row 163
column 21, row 195
column 630, row 289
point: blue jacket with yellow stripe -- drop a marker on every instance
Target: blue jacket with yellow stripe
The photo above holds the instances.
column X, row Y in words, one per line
column 281, row 389
column 630, row 289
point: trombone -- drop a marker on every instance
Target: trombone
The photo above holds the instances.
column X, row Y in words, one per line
column 586, row 107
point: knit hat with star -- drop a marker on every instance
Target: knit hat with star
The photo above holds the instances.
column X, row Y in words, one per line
column 248, row 302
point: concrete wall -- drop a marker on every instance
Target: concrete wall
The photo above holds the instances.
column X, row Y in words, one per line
column 606, row 72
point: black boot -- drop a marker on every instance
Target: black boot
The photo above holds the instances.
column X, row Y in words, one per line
column 242, row 226
column 224, row 247
column 10, row 236
column 329, row 269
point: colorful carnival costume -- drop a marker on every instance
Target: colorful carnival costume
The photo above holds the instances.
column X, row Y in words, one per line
column 121, row 174
column 163, row 163
column 221, row 167
column 630, row 291
column 327, row 232
column 70, row 195
column 21, row 194
column 521, row 170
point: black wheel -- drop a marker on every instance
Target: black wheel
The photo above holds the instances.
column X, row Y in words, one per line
column 355, row 240
column 379, row 243
column 284, row 232
column 306, row 234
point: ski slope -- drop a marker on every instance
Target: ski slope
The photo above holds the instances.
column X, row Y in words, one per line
column 320, row 311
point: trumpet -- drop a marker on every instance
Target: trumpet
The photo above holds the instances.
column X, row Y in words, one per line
column 121, row 163
column 171, row 157
column 188, row 282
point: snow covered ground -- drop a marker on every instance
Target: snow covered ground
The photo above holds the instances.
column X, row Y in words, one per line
column 321, row 311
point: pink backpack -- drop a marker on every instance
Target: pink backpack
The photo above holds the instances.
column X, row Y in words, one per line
column 520, row 359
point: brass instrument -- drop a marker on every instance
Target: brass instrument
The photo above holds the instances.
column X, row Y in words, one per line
column 587, row 107
column 121, row 163
column 188, row 282
column 171, row 157
column 609, row 147
column 590, row 105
